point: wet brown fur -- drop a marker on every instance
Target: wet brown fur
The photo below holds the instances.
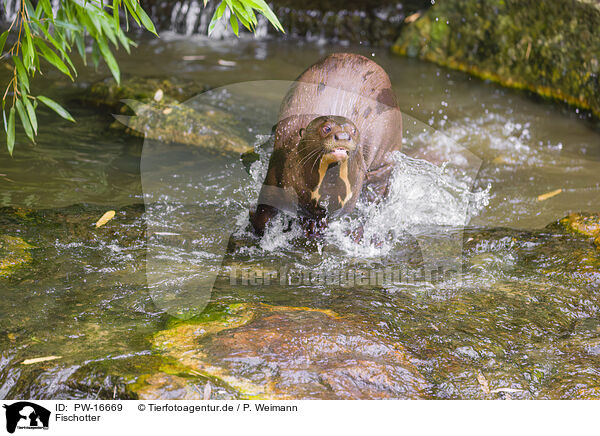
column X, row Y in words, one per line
column 343, row 85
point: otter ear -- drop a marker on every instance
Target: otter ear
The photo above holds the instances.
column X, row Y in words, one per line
column 301, row 133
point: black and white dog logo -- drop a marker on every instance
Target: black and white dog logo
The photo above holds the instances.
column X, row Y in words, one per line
column 26, row 415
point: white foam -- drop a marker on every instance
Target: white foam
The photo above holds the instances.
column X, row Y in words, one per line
column 422, row 195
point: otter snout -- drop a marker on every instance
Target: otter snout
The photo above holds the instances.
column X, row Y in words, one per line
column 342, row 136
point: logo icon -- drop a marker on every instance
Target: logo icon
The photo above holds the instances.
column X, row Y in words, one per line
column 26, row 415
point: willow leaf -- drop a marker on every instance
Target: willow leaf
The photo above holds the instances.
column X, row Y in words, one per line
column 55, row 107
column 21, row 72
column 31, row 113
column 52, row 57
column 10, row 131
column 24, row 119
column 110, row 59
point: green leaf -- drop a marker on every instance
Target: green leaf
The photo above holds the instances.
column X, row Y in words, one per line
column 131, row 6
column 79, row 42
column 52, row 57
column 251, row 14
column 47, row 9
column 25, row 120
column 10, row 132
column 116, row 16
column 21, row 72
column 110, row 59
column 31, row 113
column 125, row 42
column 27, row 46
column 242, row 14
column 3, row 40
column 67, row 25
column 109, row 32
column 145, row 19
column 264, row 9
column 92, row 16
column 55, row 107
column 87, row 23
column 30, row 11
column 243, row 11
column 216, row 16
column 234, row 24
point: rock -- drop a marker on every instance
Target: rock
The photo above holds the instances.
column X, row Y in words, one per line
column 14, row 252
column 584, row 224
column 109, row 94
column 162, row 386
column 207, row 128
column 165, row 110
column 278, row 352
column 548, row 47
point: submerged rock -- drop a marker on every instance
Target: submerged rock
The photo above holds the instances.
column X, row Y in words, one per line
column 14, row 252
column 165, row 110
column 584, row 224
column 110, row 94
column 548, row 47
column 280, row 352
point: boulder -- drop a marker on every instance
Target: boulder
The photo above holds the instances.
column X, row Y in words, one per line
column 548, row 47
column 279, row 352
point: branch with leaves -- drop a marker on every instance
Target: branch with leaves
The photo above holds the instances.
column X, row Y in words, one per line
column 243, row 11
column 45, row 37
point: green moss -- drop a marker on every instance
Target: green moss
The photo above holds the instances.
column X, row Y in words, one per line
column 159, row 111
column 210, row 129
column 584, row 224
column 143, row 89
column 252, row 351
column 14, row 252
column 215, row 315
column 547, row 47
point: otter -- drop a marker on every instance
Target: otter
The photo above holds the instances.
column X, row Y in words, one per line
column 337, row 126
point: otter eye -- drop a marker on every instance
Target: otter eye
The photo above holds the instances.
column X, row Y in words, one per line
column 326, row 129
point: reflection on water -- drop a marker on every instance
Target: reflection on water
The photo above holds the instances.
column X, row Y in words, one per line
column 521, row 307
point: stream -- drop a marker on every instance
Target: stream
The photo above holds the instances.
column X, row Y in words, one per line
column 463, row 285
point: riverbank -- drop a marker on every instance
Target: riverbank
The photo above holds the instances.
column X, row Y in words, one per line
column 550, row 48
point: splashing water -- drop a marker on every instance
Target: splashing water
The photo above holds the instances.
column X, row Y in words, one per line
column 423, row 197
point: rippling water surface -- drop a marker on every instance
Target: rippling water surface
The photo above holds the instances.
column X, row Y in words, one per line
column 517, row 304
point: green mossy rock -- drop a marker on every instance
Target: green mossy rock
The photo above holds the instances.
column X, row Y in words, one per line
column 110, row 94
column 278, row 352
column 14, row 252
column 166, row 110
column 550, row 47
column 584, row 224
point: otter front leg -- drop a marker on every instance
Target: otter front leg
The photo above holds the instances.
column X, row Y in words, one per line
column 377, row 182
column 313, row 226
column 259, row 219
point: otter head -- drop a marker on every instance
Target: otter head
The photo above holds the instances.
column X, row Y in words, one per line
column 330, row 138
column 326, row 142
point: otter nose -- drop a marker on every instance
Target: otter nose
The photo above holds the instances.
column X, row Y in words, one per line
column 341, row 136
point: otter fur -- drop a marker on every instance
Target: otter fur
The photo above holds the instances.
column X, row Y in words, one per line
column 337, row 126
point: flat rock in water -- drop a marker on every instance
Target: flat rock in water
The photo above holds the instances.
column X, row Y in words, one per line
column 169, row 111
column 111, row 94
column 585, row 224
column 14, row 252
column 278, row 352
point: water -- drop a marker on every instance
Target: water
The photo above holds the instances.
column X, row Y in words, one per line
column 520, row 306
